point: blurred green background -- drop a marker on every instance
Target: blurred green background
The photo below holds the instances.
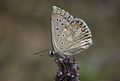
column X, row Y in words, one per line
column 25, row 29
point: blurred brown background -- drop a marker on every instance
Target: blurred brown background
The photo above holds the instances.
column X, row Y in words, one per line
column 25, row 29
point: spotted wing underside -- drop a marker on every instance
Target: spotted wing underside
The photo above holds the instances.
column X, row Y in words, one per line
column 69, row 35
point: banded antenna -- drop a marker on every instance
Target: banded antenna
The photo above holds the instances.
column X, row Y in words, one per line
column 40, row 52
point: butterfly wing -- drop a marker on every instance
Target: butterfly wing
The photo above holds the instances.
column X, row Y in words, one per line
column 69, row 35
column 59, row 21
column 80, row 37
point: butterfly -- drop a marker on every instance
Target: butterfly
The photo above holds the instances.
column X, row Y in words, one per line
column 70, row 35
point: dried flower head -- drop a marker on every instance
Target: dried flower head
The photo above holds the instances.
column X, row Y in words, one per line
column 68, row 70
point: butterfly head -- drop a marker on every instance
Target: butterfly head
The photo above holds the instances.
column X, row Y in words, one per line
column 51, row 53
column 56, row 54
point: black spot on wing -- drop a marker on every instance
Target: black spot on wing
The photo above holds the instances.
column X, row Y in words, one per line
column 87, row 44
column 60, row 20
column 62, row 42
column 57, row 28
column 81, row 23
column 63, row 35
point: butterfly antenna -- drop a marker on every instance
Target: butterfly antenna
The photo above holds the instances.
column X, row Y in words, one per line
column 40, row 52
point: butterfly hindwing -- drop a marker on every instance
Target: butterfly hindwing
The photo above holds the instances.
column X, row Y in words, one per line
column 81, row 38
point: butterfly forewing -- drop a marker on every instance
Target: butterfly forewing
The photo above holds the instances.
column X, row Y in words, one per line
column 59, row 20
column 69, row 35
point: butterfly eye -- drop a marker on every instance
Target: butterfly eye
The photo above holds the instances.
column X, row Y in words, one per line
column 62, row 24
column 51, row 53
